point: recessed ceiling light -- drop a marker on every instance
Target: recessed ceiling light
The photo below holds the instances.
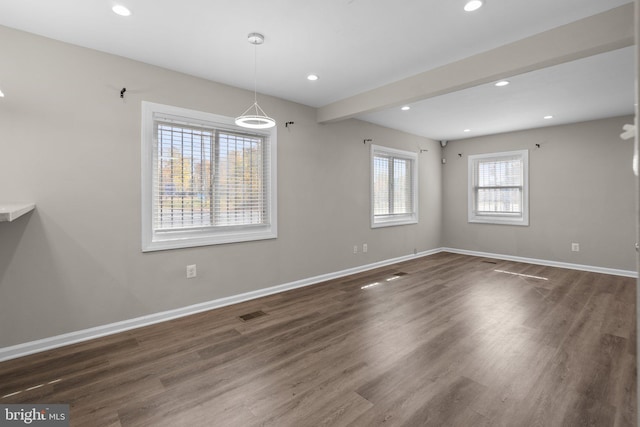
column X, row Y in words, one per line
column 467, row 130
column 312, row 77
column 502, row 83
column 473, row 5
column 548, row 117
column 121, row 10
column 406, row 108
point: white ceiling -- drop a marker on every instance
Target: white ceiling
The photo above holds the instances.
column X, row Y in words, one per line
column 354, row 46
column 587, row 89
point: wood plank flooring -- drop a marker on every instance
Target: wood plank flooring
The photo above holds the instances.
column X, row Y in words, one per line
column 456, row 341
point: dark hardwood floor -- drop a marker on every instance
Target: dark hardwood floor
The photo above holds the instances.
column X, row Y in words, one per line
column 456, row 341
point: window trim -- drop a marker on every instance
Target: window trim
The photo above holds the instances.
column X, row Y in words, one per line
column 393, row 220
column 500, row 219
column 153, row 241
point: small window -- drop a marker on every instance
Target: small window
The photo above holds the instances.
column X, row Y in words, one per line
column 498, row 188
column 394, row 187
column 205, row 181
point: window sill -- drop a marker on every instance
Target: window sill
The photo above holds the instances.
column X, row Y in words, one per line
column 524, row 222
column 393, row 222
column 180, row 240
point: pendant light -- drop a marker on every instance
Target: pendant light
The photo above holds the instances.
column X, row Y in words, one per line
column 255, row 117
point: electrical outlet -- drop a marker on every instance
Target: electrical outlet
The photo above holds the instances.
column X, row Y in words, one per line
column 365, row 248
column 575, row 247
column 191, row 271
column 355, row 249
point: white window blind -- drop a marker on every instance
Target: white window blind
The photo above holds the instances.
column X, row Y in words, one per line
column 394, row 187
column 208, row 178
column 209, row 183
column 498, row 188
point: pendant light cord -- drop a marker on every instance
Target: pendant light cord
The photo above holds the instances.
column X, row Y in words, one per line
column 255, row 73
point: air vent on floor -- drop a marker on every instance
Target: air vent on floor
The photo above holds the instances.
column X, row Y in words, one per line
column 253, row 315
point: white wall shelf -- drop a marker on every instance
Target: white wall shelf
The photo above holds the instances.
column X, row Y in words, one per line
column 11, row 211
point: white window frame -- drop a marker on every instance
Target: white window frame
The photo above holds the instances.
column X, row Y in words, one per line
column 474, row 216
column 155, row 241
column 397, row 219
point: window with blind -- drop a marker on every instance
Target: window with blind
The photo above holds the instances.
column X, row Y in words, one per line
column 498, row 188
column 394, row 187
column 205, row 181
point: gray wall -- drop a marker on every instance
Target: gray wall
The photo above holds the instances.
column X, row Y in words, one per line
column 69, row 143
column 581, row 189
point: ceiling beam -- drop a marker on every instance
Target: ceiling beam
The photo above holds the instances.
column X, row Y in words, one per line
column 596, row 34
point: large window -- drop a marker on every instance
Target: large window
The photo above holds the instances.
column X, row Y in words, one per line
column 498, row 188
column 394, row 187
column 205, row 181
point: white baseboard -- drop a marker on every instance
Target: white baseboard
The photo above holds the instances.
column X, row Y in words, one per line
column 37, row 346
column 593, row 269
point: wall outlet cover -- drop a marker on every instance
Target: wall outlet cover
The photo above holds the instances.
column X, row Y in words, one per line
column 191, row 271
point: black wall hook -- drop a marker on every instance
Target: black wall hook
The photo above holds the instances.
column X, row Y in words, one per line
column 124, row 89
column 538, row 145
column 367, row 140
column 287, row 124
